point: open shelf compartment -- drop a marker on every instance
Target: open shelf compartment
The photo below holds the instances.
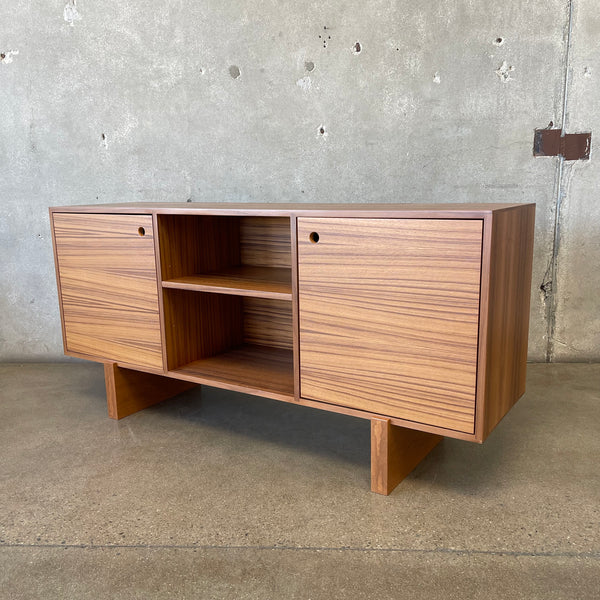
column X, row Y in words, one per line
column 244, row 256
column 231, row 341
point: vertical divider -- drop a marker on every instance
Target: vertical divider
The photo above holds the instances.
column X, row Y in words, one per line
column 295, row 307
column 161, row 307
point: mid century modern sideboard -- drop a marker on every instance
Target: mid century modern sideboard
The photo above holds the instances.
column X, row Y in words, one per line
column 413, row 316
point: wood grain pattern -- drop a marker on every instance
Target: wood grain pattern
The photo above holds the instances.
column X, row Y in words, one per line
column 404, row 344
column 249, row 256
column 389, row 316
column 108, row 287
column 199, row 325
column 511, row 258
column 267, row 323
column 210, row 335
column 395, row 452
column 161, row 308
column 295, row 312
column 281, row 209
column 257, row 370
column 260, row 282
column 197, row 244
column 129, row 391
column 265, row 242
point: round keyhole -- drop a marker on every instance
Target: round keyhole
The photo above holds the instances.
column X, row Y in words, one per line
column 141, row 231
column 314, row 237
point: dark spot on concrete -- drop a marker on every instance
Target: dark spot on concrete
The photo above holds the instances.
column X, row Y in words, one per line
column 234, row 71
column 357, row 48
column 322, row 130
column 189, row 200
column 499, row 41
column 103, row 136
column 309, row 65
column 546, row 288
column 3, row 56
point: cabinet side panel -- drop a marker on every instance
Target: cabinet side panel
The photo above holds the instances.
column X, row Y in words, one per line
column 108, row 287
column 508, row 317
column 389, row 312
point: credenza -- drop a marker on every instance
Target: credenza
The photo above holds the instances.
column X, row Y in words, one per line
column 412, row 316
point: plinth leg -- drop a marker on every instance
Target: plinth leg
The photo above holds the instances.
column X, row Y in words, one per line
column 395, row 452
column 128, row 391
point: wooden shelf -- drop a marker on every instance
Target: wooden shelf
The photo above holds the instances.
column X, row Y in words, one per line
column 258, row 370
column 259, row 282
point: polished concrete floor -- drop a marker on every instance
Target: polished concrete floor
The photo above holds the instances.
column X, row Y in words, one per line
column 219, row 495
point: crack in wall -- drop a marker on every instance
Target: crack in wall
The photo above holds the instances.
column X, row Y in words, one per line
column 549, row 284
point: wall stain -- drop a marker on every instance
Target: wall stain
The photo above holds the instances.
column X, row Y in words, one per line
column 70, row 13
column 304, row 83
column 7, row 57
column 504, row 71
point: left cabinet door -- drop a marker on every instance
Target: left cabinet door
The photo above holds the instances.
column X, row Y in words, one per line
column 108, row 289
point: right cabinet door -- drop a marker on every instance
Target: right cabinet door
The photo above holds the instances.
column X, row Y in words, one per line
column 389, row 314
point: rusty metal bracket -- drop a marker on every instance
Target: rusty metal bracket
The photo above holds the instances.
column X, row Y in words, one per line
column 554, row 142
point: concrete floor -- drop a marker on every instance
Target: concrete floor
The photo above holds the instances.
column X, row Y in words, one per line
column 220, row 495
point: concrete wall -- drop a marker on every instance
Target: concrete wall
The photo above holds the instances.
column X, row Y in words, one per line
column 160, row 100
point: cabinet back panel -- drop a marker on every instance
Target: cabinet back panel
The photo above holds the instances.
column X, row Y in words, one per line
column 107, row 279
column 389, row 314
column 268, row 322
column 265, row 242
column 191, row 244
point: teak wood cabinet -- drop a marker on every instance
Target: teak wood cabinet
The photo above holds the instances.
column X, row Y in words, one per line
column 413, row 316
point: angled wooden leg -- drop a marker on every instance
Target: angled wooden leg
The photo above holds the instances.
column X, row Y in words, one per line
column 128, row 391
column 395, row 452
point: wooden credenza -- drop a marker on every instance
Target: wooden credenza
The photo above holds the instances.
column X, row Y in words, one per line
column 413, row 316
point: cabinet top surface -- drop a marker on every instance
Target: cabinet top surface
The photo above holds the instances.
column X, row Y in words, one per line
column 299, row 209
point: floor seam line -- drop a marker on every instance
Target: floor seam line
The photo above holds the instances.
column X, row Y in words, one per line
column 470, row 552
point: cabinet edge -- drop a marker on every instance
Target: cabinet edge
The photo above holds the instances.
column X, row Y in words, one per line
column 508, row 257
